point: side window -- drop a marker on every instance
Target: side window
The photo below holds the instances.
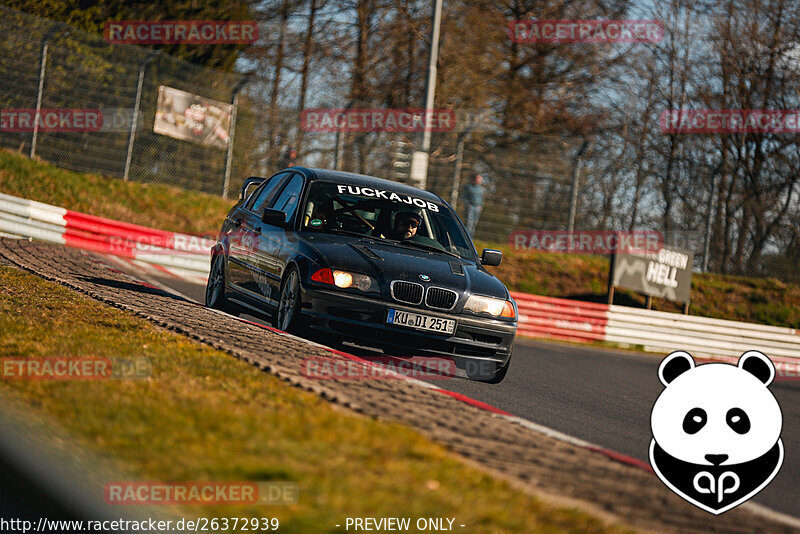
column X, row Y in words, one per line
column 288, row 199
column 260, row 198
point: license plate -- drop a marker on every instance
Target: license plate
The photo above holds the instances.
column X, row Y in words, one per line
column 421, row 322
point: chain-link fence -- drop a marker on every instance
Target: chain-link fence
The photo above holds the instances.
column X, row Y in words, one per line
column 48, row 65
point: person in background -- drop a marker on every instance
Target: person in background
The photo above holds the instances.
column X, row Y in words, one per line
column 288, row 158
column 473, row 197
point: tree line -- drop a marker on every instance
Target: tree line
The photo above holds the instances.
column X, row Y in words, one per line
column 558, row 111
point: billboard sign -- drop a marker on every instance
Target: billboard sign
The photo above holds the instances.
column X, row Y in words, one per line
column 666, row 273
column 192, row 118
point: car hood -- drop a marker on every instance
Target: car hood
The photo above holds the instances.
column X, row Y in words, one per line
column 388, row 261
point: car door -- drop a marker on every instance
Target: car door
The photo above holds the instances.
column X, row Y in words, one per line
column 244, row 243
column 270, row 262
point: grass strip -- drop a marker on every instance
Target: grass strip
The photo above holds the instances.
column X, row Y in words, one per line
column 205, row 416
column 585, row 277
column 156, row 206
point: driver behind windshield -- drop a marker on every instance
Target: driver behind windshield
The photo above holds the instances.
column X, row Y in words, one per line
column 333, row 208
column 405, row 226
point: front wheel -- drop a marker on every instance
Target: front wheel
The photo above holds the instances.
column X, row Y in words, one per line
column 215, row 288
column 286, row 318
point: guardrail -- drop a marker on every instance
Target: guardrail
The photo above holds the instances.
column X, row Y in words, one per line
column 539, row 317
column 174, row 252
column 654, row 331
column 553, row 318
column 660, row 331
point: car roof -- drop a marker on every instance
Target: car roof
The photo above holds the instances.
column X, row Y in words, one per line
column 349, row 178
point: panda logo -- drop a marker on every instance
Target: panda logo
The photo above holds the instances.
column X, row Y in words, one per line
column 716, row 430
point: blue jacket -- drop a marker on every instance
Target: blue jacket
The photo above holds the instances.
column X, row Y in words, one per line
column 473, row 194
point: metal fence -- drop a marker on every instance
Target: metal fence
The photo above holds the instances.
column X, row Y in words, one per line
column 49, row 65
column 45, row 64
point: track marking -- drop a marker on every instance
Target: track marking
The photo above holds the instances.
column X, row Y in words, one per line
column 144, row 278
column 754, row 508
column 757, row 509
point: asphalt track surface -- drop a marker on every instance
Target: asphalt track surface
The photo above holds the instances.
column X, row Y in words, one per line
column 598, row 395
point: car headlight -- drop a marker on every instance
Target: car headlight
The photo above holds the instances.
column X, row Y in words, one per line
column 492, row 306
column 345, row 279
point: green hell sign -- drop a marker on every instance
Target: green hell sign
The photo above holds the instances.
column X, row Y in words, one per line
column 665, row 274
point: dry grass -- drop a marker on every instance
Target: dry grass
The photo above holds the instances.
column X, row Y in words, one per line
column 204, row 415
column 585, row 277
column 157, row 206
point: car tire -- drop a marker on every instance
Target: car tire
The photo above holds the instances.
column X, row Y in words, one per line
column 215, row 287
column 288, row 312
column 490, row 377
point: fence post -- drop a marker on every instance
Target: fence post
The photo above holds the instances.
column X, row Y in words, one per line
column 36, row 118
column 457, row 171
column 576, row 173
column 338, row 156
column 421, row 154
column 709, row 216
column 135, row 117
column 229, row 155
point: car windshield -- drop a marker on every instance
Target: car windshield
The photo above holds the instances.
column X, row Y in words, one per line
column 385, row 215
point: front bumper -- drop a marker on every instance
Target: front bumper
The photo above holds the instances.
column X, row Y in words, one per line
column 363, row 319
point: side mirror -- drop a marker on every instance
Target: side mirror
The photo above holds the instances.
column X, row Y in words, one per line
column 491, row 257
column 274, row 218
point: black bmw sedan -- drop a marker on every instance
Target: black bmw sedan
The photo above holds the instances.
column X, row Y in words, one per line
column 367, row 260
